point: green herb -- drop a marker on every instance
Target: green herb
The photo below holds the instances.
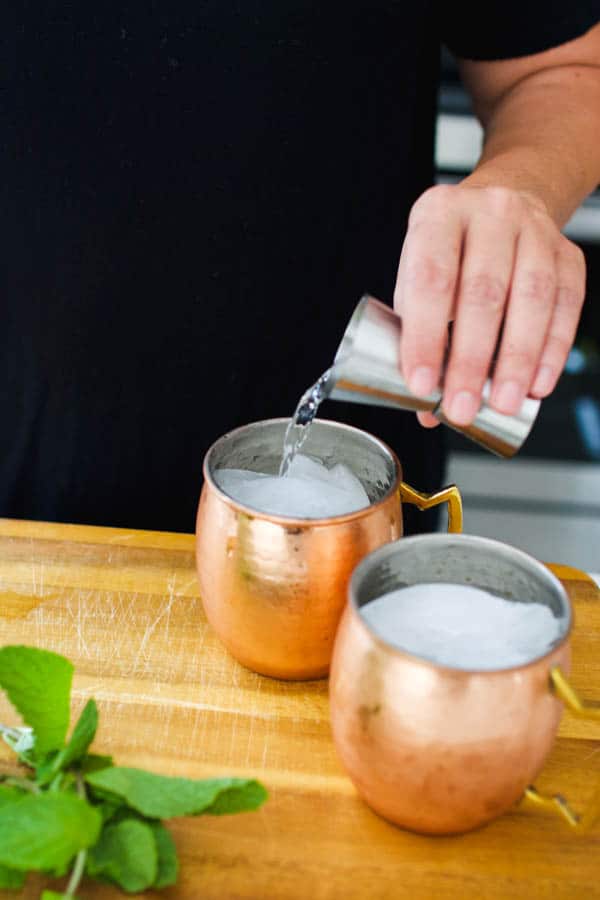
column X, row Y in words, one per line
column 167, row 865
column 38, row 684
column 10, row 878
column 71, row 810
column 126, row 855
column 163, row 798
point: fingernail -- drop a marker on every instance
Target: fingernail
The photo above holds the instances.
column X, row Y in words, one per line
column 508, row 397
column 463, row 407
column 544, row 381
column 422, row 381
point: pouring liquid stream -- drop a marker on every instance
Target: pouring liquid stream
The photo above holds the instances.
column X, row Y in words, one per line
column 299, row 426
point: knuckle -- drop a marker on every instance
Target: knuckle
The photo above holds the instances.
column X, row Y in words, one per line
column 570, row 298
column 557, row 348
column 434, row 199
column 501, row 201
column 537, row 286
column 484, row 291
column 518, row 359
column 578, row 255
column 429, row 275
column 469, row 368
column 574, row 254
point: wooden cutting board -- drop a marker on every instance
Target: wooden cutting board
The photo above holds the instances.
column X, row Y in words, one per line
column 124, row 607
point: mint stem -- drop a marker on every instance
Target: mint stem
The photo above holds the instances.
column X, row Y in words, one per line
column 77, row 873
column 56, row 782
column 78, row 868
column 23, row 783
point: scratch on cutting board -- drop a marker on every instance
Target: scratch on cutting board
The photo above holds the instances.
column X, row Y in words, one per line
column 263, row 760
column 32, row 565
column 154, row 699
column 249, row 741
column 593, row 753
column 253, row 713
column 81, row 643
column 164, row 613
column 232, row 742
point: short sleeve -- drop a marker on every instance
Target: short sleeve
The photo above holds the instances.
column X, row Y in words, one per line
column 504, row 29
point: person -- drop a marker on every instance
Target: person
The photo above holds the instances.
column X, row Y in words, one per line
column 195, row 195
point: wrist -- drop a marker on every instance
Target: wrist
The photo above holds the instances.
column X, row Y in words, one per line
column 534, row 196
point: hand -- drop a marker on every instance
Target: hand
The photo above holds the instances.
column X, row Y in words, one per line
column 489, row 258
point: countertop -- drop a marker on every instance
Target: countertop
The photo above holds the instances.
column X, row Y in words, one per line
column 124, row 607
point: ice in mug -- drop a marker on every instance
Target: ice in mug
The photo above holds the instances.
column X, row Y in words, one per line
column 463, row 627
column 308, row 490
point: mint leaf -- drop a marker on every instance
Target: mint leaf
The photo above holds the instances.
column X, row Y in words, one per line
column 249, row 795
column 83, row 735
column 168, row 866
column 44, row 831
column 160, row 797
column 93, row 762
column 38, row 684
column 110, row 807
column 11, row 879
column 125, row 855
column 9, row 794
column 80, row 740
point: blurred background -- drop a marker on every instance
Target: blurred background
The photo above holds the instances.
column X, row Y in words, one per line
column 547, row 499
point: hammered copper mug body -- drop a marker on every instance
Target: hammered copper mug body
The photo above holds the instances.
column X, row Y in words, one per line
column 436, row 749
column 273, row 587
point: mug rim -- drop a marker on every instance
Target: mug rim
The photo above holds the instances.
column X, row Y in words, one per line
column 254, row 513
column 380, row 554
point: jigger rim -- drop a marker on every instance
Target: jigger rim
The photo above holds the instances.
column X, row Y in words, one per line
column 299, row 521
column 404, row 544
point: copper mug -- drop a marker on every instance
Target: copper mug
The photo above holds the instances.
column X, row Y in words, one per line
column 441, row 750
column 274, row 587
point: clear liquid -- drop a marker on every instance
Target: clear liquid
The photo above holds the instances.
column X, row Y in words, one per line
column 299, row 427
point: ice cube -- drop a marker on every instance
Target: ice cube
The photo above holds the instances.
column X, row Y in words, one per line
column 309, row 490
column 234, row 480
column 463, row 626
column 306, row 467
column 340, row 476
column 345, row 478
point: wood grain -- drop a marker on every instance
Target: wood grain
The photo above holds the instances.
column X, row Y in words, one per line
column 124, row 607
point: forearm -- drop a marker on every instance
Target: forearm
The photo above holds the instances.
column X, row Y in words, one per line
column 542, row 137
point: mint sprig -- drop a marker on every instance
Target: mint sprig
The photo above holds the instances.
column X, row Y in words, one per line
column 72, row 810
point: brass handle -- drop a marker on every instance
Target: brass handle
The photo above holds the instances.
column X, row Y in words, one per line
column 557, row 804
column 449, row 495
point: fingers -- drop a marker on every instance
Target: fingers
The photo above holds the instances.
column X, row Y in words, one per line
column 428, row 420
column 530, row 307
column 570, row 293
column 425, row 288
column 483, row 289
column 492, row 259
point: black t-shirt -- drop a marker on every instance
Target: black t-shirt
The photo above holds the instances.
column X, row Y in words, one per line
column 194, row 196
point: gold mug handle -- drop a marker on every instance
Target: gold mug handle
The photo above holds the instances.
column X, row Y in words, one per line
column 557, row 804
column 449, row 495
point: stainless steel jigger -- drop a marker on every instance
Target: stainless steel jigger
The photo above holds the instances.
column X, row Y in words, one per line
column 366, row 369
